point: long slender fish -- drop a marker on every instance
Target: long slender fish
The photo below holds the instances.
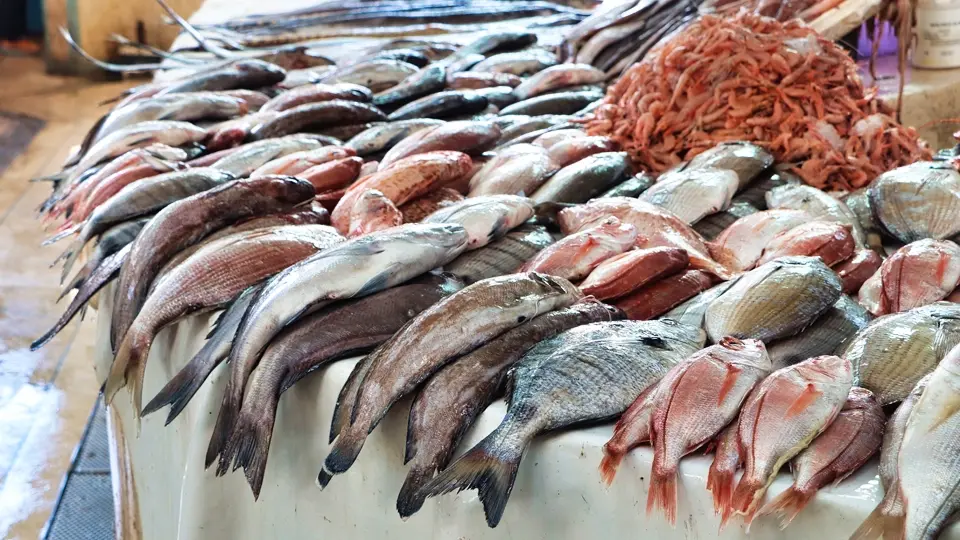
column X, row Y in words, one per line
column 313, row 93
column 384, row 137
column 590, row 373
column 441, row 105
column 426, row 81
column 182, row 107
column 311, row 116
column 252, row 156
column 486, row 218
column 111, row 241
column 469, row 137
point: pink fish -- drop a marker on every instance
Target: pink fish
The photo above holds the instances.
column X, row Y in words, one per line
column 297, row 162
column 830, row 240
column 856, row 270
column 627, row 272
column 727, row 460
column 574, row 149
column 373, row 212
column 740, row 245
column 919, row 274
column 632, row 430
column 657, row 298
column 576, row 255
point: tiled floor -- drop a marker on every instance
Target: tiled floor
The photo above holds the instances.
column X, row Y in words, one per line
column 45, row 396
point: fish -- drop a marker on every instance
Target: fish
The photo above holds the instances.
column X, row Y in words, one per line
column 339, row 331
column 247, row 73
column 295, row 78
column 553, row 138
column 532, row 126
column 316, row 116
column 372, row 212
column 502, row 256
column 895, row 351
column 228, row 134
column 740, row 246
column 467, row 386
column 589, row 373
column 745, row 159
column 917, row 274
column 755, row 193
column 314, row 93
column 521, row 168
column 498, row 41
column 470, row 80
column 693, row 194
column 422, row 83
column 384, row 137
column 727, row 460
column 110, row 242
column 377, row 75
column 180, row 107
column 441, row 105
column 631, row 430
column 335, row 174
column 693, row 402
column 179, row 390
column 859, row 202
column 454, row 326
column 572, row 150
column 559, row 103
column 486, row 218
column 849, row 441
column 713, row 225
column 520, row 63
column 297, row 162
column 774, row 300
column 657, row 228
column 576, row 255
column 631, row 187
column 558, row 76
column 411, row 56
column 818, row 204
column 891, row 506
column 356, row 268
column 857, row 269
column 421, row 207
column 694, row 310
column 348, row 131
column 831, row 241
column 463, row 62
column 830, row 334
column 405, row 180
column 918, row 201
column 659, row 297
column 622, row 274
column 252, row 156
column 178, row 226
column 468, row 137
column 585, row 179
column 499, row 97
column 782, row 416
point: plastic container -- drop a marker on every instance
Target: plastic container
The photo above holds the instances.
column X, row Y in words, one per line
column 937, row 34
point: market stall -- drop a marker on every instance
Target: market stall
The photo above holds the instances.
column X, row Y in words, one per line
column 568, row 182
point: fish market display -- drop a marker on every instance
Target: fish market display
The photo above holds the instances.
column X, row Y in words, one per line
column 916, row 275
column 832, row 242
column 624, row 273
column 692, row 195
column 486, row 218
column 740, row 246
column 575, row 256
column 829, row 334
column 503, row 256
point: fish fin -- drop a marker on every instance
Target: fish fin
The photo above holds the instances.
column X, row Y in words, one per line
column 342, row 411
column 250, row 443
column 609, row 464
column 720, row 485
column 490, row 468
column 787, row 505
column 500, row 227
column 323, row 479
column 411, row 497
column 345, row 450
column 730, row 379
column 663, row 493
column 656, row 342
column 181, row 388
column 226, row 419
column 746, row 497
column 378, row 282
column 880, row 525
column 804, row 400
column 61, row 234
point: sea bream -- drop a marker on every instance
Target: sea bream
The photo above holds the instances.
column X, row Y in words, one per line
column 831, row 241
column 469, row 137
column 622, row 274
column 693, row 194
column 916, row 275
column 829, row 334
column 817, row 203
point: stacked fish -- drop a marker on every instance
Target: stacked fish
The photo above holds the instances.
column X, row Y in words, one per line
column 475, row 231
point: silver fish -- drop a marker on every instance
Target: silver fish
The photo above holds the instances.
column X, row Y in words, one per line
column 377, row 75
column 253, row 155
column 185, row 106
column 828, row 335
column 556, row 103
column 693, row 193
column 426, row 81
column 522, row 63
column 441, row 105
column 486, row 218
column 693, row 311
column 746, row 159
column 584, row 179
column 558, row 76
column 631, row 187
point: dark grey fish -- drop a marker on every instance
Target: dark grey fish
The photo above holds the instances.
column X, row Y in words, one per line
column 498, row 41
column 522, row 63
column 503, row 256
column 110, row 242
column 442, row 105
column 631, row 187
column 585, row 179
column 559, row 103
column 464, row 63
column 587, row 374
column 755, row 194
column 319, row 115
column 828, row 335
column 746, row 159
column 467, row 386
column 242, row 74
column 532, row 124
column 384, row 137
column 409, row 56
column 500, row 96
column 426, row 81
column 348, row 131
column 711, row 226
column 693, row 311
column 377, row 75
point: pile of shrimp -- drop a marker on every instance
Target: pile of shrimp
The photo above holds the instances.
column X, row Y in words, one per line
column 752, row 78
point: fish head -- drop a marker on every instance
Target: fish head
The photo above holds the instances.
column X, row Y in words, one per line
column 751, row 352
column 861, row 398
column 449, row 236
column 556, row 285
column 825, row 371
column 286, row 189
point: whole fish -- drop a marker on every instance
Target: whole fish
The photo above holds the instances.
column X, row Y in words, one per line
column 631, row 430
column 441, row 105
column 585, row 179
column 693, row 194
column 424, row 82
column 247, row 73
column 313, row 93
column 659, row 297
column 317, row 116
column 467, row 386
column 850, row 440
column 533, row 126
column 183, row 107
column 891, row 506
column 377, row 75
column 521, row 63
column 747, row 160
column 502, row 256
column 627, row 272
column 112, row 185
column 558, row 76
column 787, row 411
column 518, row 169
column 179, row 390
column 454, row 326
column 656, row 226
column 464, row 136
column 410, row 56
column 589, row 373
column 741, row 245
column 486, row 218
column 831, row 333
column 576, row 255
column 727, row 460
column 774, row 300
column 713, row 225
column 694, row 310
column 572, row 150
column 384, row 137
column 463, row 62
column 298, row 162
column 555, row 103
column 228, row 134
column 373, row 211
column 631, row 187
column 895, row 351
column 857, row 269
column 470, row 80
column 340, row 331
column 553, row 138
column 918, row 201
column 421, row 207
column 831, row 241
column 498, row 41
column 916, row 275
column 405, row 180
column 501, row 157
column 755, row 193
column 693, row 403
column 111, row 241
column 348, row 131
column 358, row 267
column 252, row 156
column 818, row 204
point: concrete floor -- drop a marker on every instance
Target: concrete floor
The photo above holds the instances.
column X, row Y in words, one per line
column 45, row 396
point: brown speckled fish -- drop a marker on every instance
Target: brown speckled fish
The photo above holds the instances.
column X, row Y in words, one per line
column 503, row 256
column 627, row 272
column 421, row 207
column 576, row 255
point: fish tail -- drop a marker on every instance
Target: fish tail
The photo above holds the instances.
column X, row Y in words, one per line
column 181, row 388
column 226, row 419
column 490, row 468
column 662, row 493
column 75, row 306
column 345, row 450
column 69, row 259
column 343, row 409
column 787, row 505
column 612, row 456
column 62, row 232
column 411, row 496
column 250, row 443
column 746, row 497
column 880, row 525
column 720, row 484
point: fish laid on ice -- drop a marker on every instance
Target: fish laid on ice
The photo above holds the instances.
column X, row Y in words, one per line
column 818, row 204
column 421, row 207
column 576, row 255
column 503, row 256
column 829, row 334
column 693, row 194
column 661, row 296
column 589, row 373
column 918, row 201
column 373, row 211
column 627, row 272
column 741, row 245
column 831, row 241
column 486, row 218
